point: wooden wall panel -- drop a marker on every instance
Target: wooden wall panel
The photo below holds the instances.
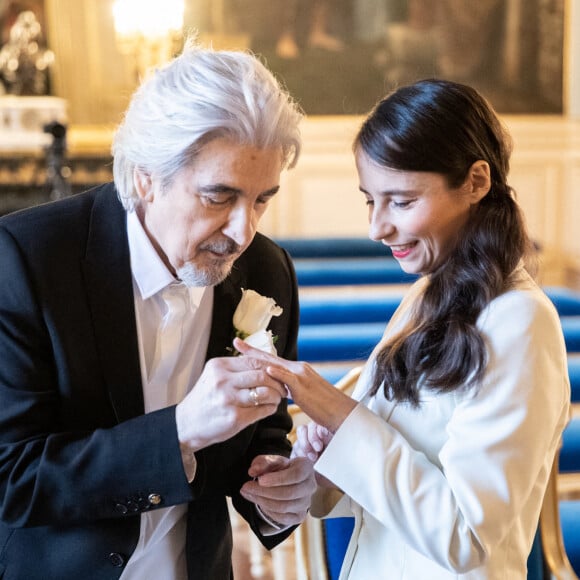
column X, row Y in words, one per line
column 89, row 71
column 320, row 196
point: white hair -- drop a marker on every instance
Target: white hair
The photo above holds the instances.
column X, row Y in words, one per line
column 201, row 95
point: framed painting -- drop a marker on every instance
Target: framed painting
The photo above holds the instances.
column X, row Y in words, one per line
column 338, row 57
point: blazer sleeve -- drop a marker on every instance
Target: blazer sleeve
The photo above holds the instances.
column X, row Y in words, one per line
column 57, row 468
column 497, row 452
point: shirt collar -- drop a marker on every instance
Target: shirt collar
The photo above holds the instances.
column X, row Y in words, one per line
column 149, row 272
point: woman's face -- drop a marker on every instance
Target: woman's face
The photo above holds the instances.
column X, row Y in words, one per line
column 416, row 213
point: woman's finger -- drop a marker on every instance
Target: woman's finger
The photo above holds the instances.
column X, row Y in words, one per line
column 244, row 348
column 301, row 447
column 283, row 375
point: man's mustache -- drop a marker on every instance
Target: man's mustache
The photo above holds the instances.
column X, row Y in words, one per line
column 225, row 247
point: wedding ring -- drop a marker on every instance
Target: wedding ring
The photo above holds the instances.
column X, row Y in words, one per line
column 254, row 396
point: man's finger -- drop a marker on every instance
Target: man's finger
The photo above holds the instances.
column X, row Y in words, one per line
column 259, row 380
column 266, row 464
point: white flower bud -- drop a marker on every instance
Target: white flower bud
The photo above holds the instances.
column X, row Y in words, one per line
column 254, row 313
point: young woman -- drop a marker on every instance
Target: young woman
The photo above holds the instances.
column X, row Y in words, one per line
column 443, row 452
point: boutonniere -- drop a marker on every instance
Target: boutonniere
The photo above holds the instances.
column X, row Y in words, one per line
column 252, row 317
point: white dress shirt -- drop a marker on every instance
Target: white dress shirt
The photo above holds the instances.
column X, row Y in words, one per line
column 160, row 552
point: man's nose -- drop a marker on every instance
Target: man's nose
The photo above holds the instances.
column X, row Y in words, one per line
column 241, row 225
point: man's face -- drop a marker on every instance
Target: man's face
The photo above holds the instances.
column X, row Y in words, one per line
column 203, row 221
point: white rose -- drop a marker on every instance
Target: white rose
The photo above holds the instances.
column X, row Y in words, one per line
column 254, row 313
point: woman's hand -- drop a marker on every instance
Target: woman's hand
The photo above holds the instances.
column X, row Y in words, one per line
column 318, row 398
column 311, row 441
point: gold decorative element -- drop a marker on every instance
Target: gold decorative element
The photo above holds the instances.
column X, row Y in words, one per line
column 150, row 32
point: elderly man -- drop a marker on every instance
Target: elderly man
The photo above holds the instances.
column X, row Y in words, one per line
column 125, row 421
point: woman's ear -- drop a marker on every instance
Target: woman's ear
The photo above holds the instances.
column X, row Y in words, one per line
column 143, row 184
column 478, row 181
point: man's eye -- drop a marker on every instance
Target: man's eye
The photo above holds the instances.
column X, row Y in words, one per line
column 402, row 204
column 217, row 199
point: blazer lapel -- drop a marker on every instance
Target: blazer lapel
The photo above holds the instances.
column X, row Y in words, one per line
column 108, row 278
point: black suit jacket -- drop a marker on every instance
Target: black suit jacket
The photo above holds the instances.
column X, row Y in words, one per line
column 79, row 459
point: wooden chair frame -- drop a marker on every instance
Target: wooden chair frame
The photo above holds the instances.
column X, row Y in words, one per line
column 309, row 536
column 551, row 531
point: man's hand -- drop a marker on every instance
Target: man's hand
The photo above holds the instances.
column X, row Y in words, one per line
column 231, row 393
column 318, row 398
column 282, row 487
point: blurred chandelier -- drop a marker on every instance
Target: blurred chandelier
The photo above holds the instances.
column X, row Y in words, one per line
column 150, row 32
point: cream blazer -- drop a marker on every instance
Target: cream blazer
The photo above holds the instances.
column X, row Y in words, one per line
column 454, row 488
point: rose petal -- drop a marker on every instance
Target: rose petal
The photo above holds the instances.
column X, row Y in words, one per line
column 254, row 312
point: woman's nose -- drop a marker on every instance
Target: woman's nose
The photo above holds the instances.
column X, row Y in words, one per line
column 380, row 227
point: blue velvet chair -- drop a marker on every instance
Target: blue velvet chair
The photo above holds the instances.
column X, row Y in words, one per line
column 570, row 522
column 337, row 532
column 333, row 247
column 335, row 342
column 347, row 308
column 571, row 329
column 574, row 374
column 566, row 301
column 350, row 271
column 570, row 451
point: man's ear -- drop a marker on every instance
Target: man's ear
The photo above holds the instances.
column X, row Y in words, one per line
column 143, row 184
column 478, row 181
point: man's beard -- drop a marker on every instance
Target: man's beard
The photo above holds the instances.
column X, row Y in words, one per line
column 193, row 275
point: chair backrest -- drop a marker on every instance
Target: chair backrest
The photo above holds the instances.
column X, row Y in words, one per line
column 310, row 545
column 554, row 553
column 337, row 533
column 537, row 569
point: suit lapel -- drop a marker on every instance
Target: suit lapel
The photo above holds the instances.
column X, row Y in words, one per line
column 227, row 296
column 110, row 293
column 108, row 278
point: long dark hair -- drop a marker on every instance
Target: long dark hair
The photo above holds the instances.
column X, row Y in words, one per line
column 444, row 127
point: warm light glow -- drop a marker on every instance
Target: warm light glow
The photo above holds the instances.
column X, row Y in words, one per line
column 151, row 19
column 148, row 31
